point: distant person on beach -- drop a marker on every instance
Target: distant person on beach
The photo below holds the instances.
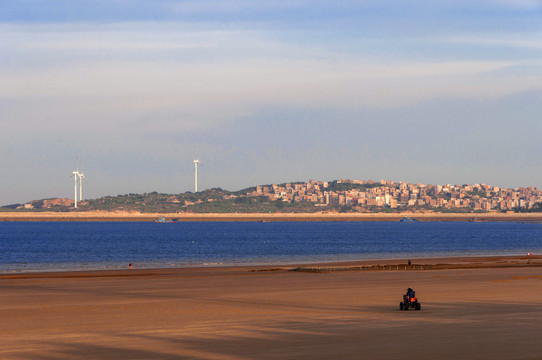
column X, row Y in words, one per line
column 130, row 266
column 409, row 263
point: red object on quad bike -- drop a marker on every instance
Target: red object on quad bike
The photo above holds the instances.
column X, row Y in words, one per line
column 409, row 303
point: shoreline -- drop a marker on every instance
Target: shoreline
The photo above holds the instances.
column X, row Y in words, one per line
column 418, row 264
column 99, row 216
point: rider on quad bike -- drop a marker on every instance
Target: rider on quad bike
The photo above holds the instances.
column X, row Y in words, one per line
column 409, row 301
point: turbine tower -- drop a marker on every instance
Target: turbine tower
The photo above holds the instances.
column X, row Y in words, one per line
column 75, row 176
column 196, row 162
column 81, row 177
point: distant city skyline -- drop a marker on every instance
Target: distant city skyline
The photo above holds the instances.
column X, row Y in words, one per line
column 267, row 92
column 352, row 195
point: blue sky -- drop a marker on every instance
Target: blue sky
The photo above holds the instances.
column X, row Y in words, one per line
column 267, row 92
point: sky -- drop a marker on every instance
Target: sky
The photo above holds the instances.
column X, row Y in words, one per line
column 445, row 92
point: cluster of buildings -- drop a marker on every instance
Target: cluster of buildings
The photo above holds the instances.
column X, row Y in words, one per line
column 367, row 194
column 358, row 195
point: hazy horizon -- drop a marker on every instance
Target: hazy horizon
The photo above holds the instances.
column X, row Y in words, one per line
column 267, row 92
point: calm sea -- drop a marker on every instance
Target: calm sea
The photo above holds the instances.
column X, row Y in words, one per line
column 52, row 246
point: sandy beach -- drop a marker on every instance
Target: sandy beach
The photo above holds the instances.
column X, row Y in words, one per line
column 131, row 216
column 472, row 308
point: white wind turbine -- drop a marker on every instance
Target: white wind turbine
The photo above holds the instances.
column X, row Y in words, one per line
column 75, row 176
column 196, row 162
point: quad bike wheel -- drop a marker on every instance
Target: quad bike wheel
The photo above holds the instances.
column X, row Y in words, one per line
column 401, row 306
column 418, row 306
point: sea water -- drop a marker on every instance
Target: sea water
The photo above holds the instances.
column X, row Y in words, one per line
column 54, row 246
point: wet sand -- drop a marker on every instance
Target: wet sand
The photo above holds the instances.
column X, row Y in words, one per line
column 490, row 309
column 129, row 216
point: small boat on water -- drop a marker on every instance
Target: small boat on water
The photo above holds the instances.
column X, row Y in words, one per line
column 407, row 219
column 162, row 220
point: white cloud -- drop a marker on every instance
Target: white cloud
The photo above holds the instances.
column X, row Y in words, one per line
column 230, row 6
column 488, row 5
column 115, row 45
column 188, row 77
column 166, row 83
column 524, row 4
column 531, row 41
column 131, row 99
column 117, row 38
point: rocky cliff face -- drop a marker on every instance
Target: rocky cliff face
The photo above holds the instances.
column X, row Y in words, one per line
column 47, row 203
column 57, row 202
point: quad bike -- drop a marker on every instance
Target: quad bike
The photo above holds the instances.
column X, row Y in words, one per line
column 409, row 303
